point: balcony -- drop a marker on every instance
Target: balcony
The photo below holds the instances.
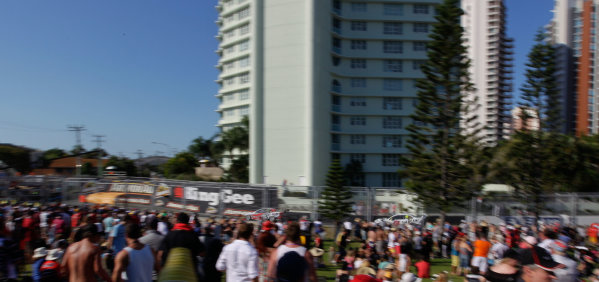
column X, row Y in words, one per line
column 336, row 88
column 337, row 11
column 337, row 30
column 335, row 147
column 336, row 49
column 336, row 108
column 336, row 127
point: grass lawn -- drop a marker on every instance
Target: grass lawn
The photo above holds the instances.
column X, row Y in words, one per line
column 328, row 273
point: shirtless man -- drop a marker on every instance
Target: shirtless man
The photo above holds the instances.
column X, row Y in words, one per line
column 81, row 261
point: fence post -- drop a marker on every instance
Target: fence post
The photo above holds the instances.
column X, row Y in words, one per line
column 369, row 198
column 574, row 209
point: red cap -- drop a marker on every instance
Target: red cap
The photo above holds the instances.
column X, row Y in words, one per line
column 267, row 225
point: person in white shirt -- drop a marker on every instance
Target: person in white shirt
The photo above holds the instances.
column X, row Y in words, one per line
column 240, row 259
column 546, row 238
column 348, row 225
column 569, row 273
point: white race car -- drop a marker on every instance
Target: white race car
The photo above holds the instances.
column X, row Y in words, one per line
column 264, row 214
column 399, row 219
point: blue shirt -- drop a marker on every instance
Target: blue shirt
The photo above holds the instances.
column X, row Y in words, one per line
column 35, row 269
column 118, row 242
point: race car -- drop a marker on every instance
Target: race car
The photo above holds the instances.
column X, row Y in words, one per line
column 264, row 214
column 399, row 219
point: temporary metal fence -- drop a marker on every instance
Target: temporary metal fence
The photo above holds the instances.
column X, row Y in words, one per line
column 231, row 199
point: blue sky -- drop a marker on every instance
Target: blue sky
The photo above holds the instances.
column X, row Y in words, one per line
column 137, row 71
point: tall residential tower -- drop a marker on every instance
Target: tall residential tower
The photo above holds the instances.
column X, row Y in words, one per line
column 490, row 52
column 324, row 79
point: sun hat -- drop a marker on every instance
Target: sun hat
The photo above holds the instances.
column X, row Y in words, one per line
column 316, row 252
column 40, row 253
column 54, row 254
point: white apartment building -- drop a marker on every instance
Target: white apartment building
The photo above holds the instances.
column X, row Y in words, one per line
column 489, row 50
column 322, row 79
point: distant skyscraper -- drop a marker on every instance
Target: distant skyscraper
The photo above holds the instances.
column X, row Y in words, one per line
column 490, row 52
column 564, row 31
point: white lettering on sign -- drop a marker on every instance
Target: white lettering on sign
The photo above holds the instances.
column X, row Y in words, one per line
column 132, row 188
column 192, row 193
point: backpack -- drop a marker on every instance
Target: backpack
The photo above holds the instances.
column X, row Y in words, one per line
column 49, row 271
column 291, row 267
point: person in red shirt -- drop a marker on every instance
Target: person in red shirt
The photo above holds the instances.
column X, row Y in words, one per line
column 423, row 267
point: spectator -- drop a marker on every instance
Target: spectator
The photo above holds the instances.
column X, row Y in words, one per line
column 82, row 261
column 292, row 261
column 181, row 235
column 152, row 237
column 39, row 256
column 240, row 259
column 136, row 260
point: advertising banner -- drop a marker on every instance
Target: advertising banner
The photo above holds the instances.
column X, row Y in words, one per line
column 193, row 197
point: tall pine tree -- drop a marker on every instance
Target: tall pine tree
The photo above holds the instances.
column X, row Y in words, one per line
column 335, row 200
column 528, row 162
column 441, row 147
column 540, row 95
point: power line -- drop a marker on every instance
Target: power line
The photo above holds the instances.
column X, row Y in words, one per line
column 77, row 129
column 100, row 165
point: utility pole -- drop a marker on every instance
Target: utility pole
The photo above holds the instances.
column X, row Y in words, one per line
column 100, row 164
column 139, row 153
column 77, row 129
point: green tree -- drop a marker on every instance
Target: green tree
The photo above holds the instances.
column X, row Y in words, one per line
column 15, row 157
column 52, row 154
column 335, row 200
column 438, row 166
column 123, row 164
column 540, row 94
column 533, row 161
column 77, row 149
column 239, row 170
column 182, row 163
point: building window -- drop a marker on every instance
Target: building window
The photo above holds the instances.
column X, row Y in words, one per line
column 230, row 49
column 416, row 65
column 230, row 97
column 392, row 47
column 358, row 139
column 244, row 29
column 244, row 45
column 392, row 103
column 336, row 42
column 229, row 34
column 392, row 66
column 244, row 78
column 358, row 26
column 229, row 18
column 392, row 122
column 392, row 141
column 420, row 27
column 419, row 45
column 358, row 157
column 357, row 102
column 358, row 63
column 420, row 9
column 229, row 113
column 244, row 62
column 228, row 66
column 244, row 111
column 390, row 160
column 392, row 84
column 393, row 9
column 243, row 14
column 244, row 94
column 229, row 81
column 358, row 82
column 356, row 120
column 358, row 44
column 392, row 28
column 391, row 179
column 358, row 7
column 336, row 60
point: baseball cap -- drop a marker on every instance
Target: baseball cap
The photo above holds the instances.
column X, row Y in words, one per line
column 539, row 257
column 267, row 225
